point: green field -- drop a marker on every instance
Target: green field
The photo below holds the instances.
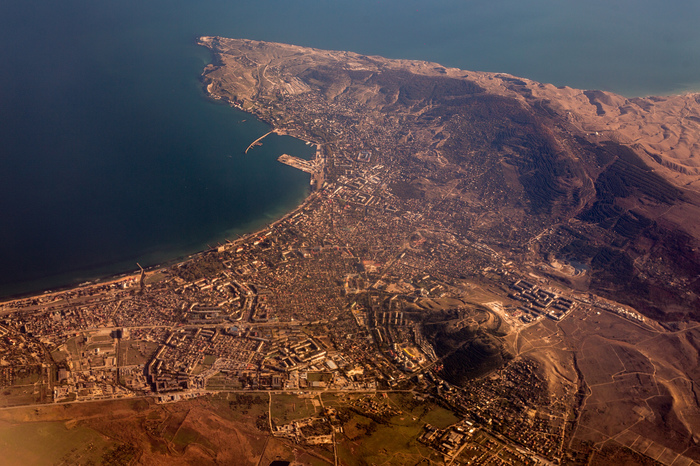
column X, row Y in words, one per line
column 424, row 411
column 240, row 407
column 59, row 356
column 384, row 444
column 27, row 375
column 73, row 347
column 39, row 443
column 332, row 400
column 395, row 442
column 135, row 352
column 287, row 408
column 19, row 395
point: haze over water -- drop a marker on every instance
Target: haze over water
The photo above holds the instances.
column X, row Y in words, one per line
column 110, row 154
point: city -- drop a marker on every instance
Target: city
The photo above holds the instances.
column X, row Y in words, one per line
column 428, row 282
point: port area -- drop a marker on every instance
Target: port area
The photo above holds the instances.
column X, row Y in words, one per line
column 313, row 167
column 309, row 166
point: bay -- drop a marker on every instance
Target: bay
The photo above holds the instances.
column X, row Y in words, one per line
column 111, row 154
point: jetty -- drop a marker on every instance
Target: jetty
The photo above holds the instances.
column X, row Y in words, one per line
column 257, row 141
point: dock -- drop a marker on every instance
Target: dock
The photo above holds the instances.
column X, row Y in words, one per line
column 313, row 167
column 309, row 166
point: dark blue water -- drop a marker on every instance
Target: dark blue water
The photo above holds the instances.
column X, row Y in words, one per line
column 110, row 153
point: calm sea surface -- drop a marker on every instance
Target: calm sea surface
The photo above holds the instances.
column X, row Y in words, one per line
column 111, row 154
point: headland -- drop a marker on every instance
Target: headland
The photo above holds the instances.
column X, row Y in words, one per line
column 476, row 249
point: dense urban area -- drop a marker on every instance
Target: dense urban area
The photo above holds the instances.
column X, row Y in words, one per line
column 432, row 267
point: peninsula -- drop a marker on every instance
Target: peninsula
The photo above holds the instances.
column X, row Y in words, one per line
column 488, row 270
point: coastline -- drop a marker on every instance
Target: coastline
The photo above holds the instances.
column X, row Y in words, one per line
column 124, row 277
column 90, row 281
column 107, row 279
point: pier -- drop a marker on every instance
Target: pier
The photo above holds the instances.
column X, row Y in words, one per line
column 257, row 141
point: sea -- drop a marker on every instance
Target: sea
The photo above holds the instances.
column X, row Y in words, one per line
column 111, row 154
